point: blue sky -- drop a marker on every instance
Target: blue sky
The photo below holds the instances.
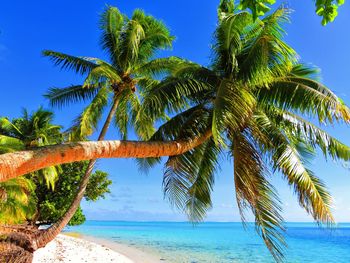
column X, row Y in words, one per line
column 28, row 27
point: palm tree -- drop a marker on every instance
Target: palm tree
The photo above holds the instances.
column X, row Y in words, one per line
column 28, row 132
column 16, row 201
column 130, row 45
column 254, row 98
column 20, row 244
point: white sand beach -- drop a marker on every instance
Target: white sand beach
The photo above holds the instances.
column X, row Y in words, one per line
column 68, row 249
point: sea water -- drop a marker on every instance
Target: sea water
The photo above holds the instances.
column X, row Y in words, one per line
column 214, row 242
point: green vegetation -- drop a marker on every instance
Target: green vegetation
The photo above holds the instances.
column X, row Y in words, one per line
column 327, row 9
column 130, row 45
column 254, row 98
column 44, row 195
column 51, row 205
column 30, row 131
column 16, row 200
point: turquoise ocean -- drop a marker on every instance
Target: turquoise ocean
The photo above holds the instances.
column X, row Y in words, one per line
column 212, row 242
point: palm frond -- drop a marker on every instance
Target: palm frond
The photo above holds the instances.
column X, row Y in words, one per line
column 160, row 66
column 122, row 114
column 230, row 37
column 142, row 122
column 306, row 96
column 16, row 204
column 80, row 65
column 255, row 192
column 265, row 55
column 132, row 35
column 170, row 95
column 111, row 25
column 189, row 178
column 87, row 122
column 232, row 107
column 10, row 144
column 157, row 37
column 101, row 74
column 289, row 159
column 59, row 97
column 311, row 134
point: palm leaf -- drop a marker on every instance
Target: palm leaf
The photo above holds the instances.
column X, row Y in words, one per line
column 87, row 122
column 288, row 159
column 307, row 96
column 59, row 97
column 255, row 192
column 80, row 65
column 111, row 25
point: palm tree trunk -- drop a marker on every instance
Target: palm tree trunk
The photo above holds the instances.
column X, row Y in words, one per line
column 16, row 164
column 44, row 237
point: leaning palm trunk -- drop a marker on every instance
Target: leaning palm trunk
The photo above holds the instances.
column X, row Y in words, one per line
column 15, row 164
column 46, row 236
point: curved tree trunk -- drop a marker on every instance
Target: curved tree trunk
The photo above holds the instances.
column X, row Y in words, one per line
column 16, row 164
column 44, row 237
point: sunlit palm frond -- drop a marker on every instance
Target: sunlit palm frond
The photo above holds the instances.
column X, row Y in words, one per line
column 123, row 113
column 306, row 96
column 16, row 202
column 310, row 134
column 80, row 65
column 255, row 192
column 142, row 122
column 111, row 25
column 289, row 158
column 87, row 121
column 102, row 73
column 130, row 40
column 160, row 66
column 8, row 128
column 265, row 55
column 157, row 37
column 170, row 95
column 50, row 176
column 189, row 178
column 229, row 41
column 232, row 107
column 10, row 144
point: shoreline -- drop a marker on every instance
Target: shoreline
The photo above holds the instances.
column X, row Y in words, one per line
column 74, row 247
column 137, row 255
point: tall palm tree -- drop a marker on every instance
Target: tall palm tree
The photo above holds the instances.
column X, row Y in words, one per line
column 131, row 45
column 254, row 98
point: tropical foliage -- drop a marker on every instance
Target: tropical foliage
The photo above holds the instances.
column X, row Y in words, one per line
column 51, row 205
column 327, row 9
column 42, row 196
column 17, row 202
column 257, row 99
column 28, row 132
column 130, row 45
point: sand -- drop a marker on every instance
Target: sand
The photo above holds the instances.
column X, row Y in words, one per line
column 69, row 249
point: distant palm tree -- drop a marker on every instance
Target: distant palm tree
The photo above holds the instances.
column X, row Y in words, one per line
column 28, row 132
column 16, row 201
column 130, row 44
column 253, row 98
